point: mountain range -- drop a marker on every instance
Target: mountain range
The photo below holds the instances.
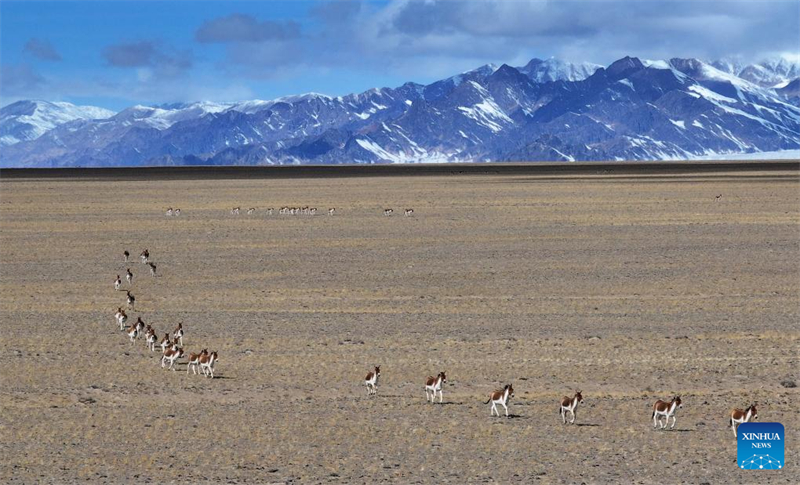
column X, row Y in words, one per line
column 546, row 110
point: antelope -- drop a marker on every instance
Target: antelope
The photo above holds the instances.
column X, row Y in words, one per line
column 371, row 381
column 250, row 211
column 133, row 333
column 388, row 212
column 177, row 212
column 177, row 335
column 144, row 256
column 117, row 283
column 171, row 356
column 408, row 212
column 131, row 300
column 194, row 361
column 738, row 417
column 139, row 325
column 165, row 343
column 169, row 212
column 331, row 211
column 501, row 397
column 207, row 364
column 718, row 198
column 663, row 408
column 152, row 269
column 313, row 211
column 434, row 385
column 129, row 276
column 126, row 255
column 150, row 339
column 568, row 405
column 121, row 318
column 269, row 211
column 235, row 211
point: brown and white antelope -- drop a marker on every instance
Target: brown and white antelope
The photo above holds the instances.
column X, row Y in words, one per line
column 331, row 211
column 388, row 212
column 250, row 211
column 139, row 326
column 408, row 212
column 270, row 211
column 668, row 409
column 133, row 333
column 126, row 255
column 169, row 212
column 194, row 361
column 207, row 364
column 568, row 405
column 152, row 269
column 165, row 343
column 121, row 318
column 171, row 356
column 150, row 339
column 235, row 211
column 434, row 385
column 371, row 381
column 129, row 276
column 177, row 212
column 738, row 417
column 177, row 334
column 117, row 283
column 501, row 397
column 131, row 300
column 144, row 256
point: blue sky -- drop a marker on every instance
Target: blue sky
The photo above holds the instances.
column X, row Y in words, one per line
column 118, row 53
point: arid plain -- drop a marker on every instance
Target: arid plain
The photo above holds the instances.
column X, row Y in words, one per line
column 630, row 288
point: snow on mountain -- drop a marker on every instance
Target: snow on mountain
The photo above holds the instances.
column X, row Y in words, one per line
column 547, row 110
column 775, row 71
column 28, row 120
column 552, row 69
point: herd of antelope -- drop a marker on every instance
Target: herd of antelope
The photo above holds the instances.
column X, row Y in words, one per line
column 172, row 343
column 294, row 211
column 568, row 404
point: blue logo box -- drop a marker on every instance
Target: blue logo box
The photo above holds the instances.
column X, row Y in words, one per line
column 760, row 446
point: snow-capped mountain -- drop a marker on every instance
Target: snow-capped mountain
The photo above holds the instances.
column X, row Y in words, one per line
column 557, row 70
column 774, row 72
column 28, row 120
column 631, row 109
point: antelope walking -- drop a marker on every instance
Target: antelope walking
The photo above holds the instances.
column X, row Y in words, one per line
column 663, row 408
column 388, row 212
column 434, row 385
column 250, row 211
column 717, row 198
column 331, row 211
column 171, row 356
column 568, row 405
column 121, row 318
column 177, row 334
column 738, row 417
column 152, row 269
column 371, row 381
column 235, row 211
column 139, row 326
column 150, row 339
column 408, row 212
column 501, row 397
column 144, row 256
column 194, row 361
column 117, row 283
column 207, row 364
column 169, row 212
column 269, row 211
column 165, row 343
column 131, row 300
column 129, row 276
column 133, row 333
column 177, row 212
column 126, row 255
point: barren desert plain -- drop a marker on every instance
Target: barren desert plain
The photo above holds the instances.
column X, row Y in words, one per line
column 631, row 287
